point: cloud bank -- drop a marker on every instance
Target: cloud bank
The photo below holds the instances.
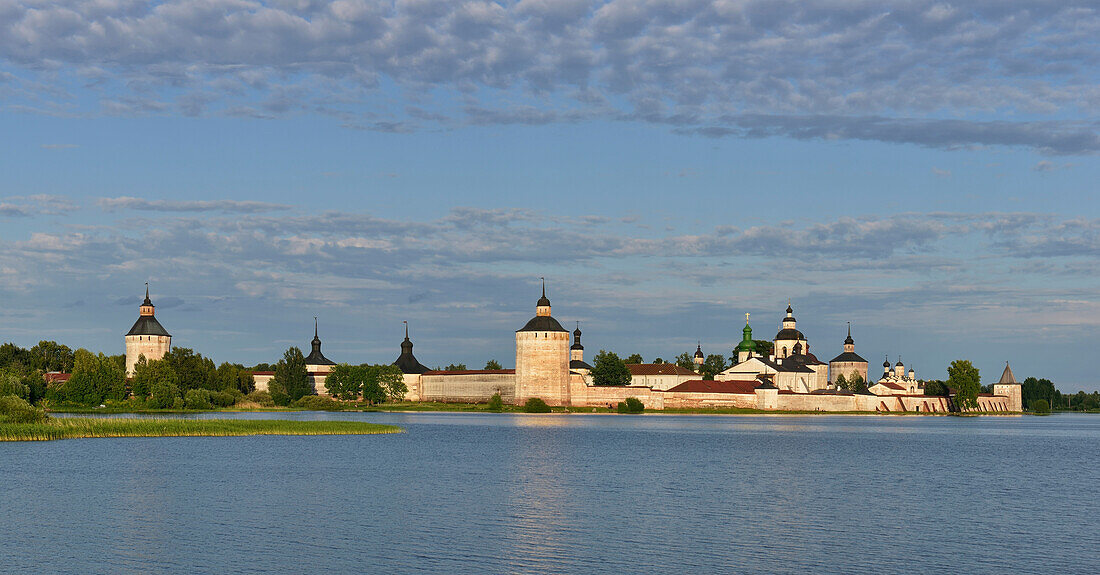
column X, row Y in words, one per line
column 924, row 72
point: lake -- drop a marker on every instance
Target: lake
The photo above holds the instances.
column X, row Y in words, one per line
column 492, row 493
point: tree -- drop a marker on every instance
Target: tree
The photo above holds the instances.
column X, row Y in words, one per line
column 536, row 405
column 291, row 377
column 631, row 405
column 51, row 356
column 1040, row 406
column 841, row 382
column 392, row 382
column 496, row 403
column 712, row 366
column 11, row 383
column 964, row 378
column 764, row 348
column 634, row 358
column 193, row 370
column 686, row 361
column 346, row 381
column 857, row 384
column 935, row 387
column 609, row 370
column 456, row 367
column 148, row 374
column 658, row 361
column 96, row 378
column 1033, row 389
column 492, row 364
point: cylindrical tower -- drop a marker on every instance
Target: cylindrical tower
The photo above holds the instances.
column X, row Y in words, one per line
column 542, row 358
column 147, row 338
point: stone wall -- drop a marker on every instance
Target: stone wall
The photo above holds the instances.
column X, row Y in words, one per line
column 472, row 387
column 153, row 347
column 542, row 367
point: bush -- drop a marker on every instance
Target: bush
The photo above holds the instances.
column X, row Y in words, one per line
column 496, row 403
column 1040, row 406
column 631, row 405
column 536, row 405
column 225, row 398
column 197, row 399
column 164, row 396
column 318, row 403
column 15, row 409
column 262, row 397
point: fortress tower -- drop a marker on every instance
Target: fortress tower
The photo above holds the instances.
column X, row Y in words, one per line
column 848, row 363
column 576, row 354
column 147, row 338
column 542, row 357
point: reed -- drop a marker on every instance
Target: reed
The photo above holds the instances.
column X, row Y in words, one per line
column 81, row 427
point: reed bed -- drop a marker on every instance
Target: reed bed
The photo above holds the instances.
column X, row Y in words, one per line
column 83, row 427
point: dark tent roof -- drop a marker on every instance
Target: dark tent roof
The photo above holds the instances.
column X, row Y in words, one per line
column 406, row 362
column 578, row 364
column 542, row 323
column 849, row 356
column 148, row 325
column 1006, row 376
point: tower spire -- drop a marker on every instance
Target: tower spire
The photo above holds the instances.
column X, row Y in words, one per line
column 406, row 322
column 543, row 286
column 315, row 328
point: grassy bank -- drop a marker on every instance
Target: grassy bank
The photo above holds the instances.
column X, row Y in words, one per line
column 71, row 428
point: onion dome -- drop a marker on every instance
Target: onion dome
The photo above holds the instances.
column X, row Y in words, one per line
column 542, row 320
column 543, row 301
column 746, row 344
column 848, row 340
column 577, row 337
column 315, row 356
column 699, row 351
column 886, row 363
column 899, row 363
column 406, row 362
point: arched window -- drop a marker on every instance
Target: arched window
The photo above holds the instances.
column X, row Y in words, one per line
column 784, row 351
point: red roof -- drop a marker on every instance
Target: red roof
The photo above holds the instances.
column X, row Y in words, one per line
column 890, row 385
column 704, row 386
column 56, row 377
column 657, row 369
column 472, row 372
column 263, row 373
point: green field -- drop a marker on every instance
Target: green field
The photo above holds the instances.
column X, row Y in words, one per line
column 81, row 427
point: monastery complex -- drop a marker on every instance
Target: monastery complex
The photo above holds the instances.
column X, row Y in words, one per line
column 790, row 378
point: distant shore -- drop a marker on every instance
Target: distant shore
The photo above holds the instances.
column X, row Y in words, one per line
column 484, row 408
column 88, row 427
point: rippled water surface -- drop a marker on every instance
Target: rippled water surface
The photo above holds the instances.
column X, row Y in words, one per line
column 481, row 493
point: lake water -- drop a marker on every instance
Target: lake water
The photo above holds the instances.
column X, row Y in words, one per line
column 485, row 493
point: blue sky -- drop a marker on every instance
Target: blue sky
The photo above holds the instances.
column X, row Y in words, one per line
column 925, row 170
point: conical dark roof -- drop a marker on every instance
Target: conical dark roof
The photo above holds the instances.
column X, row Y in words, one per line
column 1007, row 377
column 406, row 362
column 147, row 324
column 315, row 356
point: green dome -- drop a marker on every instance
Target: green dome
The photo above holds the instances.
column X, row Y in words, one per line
column 746, row 342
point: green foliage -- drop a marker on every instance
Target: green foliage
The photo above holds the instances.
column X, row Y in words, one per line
column 964, row 378
column 261, row 397
column 392, row 382
column 496, row 403
column 11, row 383
column 96, row 378
column 634, row 358
column 841, row 382
column 712, row 366
column 163, row 395
column 51, row 356
column 631, row 405
column 197, row 399
column 346, row 381
column 318, row 403
column 609, row 370
column 193, row 371
column 492, row 364
column 291, row 378
column 147, row 374
column 686, row 361
column 1040, row 406
column 536, row 405
column 935, row 387
column 1033, row 389
column 455, row 367
column 857, row 384
column 658, row 361
column 15, row 409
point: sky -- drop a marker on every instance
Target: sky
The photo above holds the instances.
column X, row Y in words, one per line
column 927, row 171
